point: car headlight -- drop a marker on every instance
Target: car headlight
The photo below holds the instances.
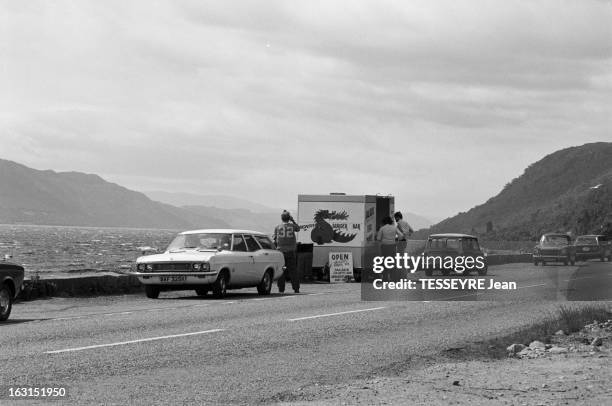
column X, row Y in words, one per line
column 140, row 267
column 205, row 266
column 149, row 267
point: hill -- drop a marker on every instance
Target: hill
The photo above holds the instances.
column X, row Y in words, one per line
column 567, row 191
column 215, row 201
column 416, row 221
column 240, row 218
column 31, row 196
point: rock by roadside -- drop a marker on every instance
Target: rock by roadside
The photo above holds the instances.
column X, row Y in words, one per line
column 589, row 340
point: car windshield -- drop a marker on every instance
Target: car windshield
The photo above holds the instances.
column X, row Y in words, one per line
column 586, row 241
column 555, row 239
column 201, row 241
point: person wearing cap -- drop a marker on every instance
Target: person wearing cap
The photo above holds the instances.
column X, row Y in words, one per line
column 404, row 228
column 285, row 241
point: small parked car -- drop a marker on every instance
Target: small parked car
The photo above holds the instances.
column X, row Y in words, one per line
column 454, row 246
column 212, row 260
column 11, row 280
column 592, row 247
column 554, row 247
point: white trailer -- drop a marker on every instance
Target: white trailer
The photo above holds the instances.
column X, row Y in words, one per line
column 342, row 223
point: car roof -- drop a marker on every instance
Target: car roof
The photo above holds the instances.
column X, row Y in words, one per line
column 223, row 231
column 452, row 235
column 556, row 234
column 591, row 235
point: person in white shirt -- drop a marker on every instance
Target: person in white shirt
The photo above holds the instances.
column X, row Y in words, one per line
column 388, row 235
column 404, row 228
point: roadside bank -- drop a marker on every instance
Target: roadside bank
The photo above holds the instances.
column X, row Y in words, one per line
column 74, row 284
column 561, row 369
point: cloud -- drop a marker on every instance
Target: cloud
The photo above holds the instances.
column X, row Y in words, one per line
column 276, row 98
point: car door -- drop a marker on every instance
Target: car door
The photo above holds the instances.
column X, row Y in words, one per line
column 604, row 245
column 242, row 261
column 260, row 259
column 273, row 257
column 470, row 247
column 587, row 247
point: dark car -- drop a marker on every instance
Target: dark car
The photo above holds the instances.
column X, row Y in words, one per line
column 11, row 278
column 462, row 248
column 554, row 247
column 592, row 247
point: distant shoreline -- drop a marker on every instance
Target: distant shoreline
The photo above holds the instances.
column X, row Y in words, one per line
column 91, row 227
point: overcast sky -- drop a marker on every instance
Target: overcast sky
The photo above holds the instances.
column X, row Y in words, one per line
column 439, row 103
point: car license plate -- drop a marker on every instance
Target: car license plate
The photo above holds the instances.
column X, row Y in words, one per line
column 586, row 249
column 173, row 278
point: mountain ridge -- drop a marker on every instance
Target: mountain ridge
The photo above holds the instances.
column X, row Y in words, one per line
column 553, row 194
column 180, row 199
column 46, row 197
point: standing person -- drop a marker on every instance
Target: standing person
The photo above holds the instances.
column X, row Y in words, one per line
column 405, row 229
column 387, row 236
column 284, row 239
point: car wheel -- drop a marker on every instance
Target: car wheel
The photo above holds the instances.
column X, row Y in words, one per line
column 201, row 291
column 152, row 291
column 6, row 302
column 535, row 263
column 220, row 286
column 265, row 286
column 483, row 272
column 602, row 259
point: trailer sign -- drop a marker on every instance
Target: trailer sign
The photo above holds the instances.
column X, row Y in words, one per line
column 340, row 266
column 333, row 223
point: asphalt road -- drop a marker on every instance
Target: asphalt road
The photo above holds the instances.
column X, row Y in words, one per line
column 249, row 349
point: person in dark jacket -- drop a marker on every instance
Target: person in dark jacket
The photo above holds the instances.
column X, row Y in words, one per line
column 285, row 241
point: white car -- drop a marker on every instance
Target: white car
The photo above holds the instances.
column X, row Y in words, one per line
column 212, row 260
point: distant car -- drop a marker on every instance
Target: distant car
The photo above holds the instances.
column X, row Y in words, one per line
column 11, row 279
column 212, row 260
column 593, row 247
column 554, row 247
column 455, row 245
